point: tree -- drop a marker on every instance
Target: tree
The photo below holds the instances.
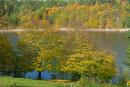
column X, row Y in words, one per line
column 42, row 62
column 127, row 22
column 48, row 46
column 128, row 53
column 23, row 59
column 2, row 10
column 6, row 56
column 89, row 62
column 128, row 57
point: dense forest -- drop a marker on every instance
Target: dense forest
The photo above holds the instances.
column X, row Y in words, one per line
column 32, row 14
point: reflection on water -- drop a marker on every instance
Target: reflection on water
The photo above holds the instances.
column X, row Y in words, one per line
column 116, row 42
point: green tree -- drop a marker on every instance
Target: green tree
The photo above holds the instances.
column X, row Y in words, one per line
column 6, row 56
column 128, row 53
column 23, row 59
column 127, row 22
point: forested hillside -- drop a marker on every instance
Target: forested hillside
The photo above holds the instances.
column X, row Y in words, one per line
column 36, row 54
column 32, row 14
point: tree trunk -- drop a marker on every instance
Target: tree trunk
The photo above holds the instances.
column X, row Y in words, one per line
column 3, row 67
column 39, row 76
column 16, row 71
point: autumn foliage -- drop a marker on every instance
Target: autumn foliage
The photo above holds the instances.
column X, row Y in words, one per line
column 29, row 14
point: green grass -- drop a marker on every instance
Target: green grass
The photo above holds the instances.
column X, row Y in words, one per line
column 22, row 82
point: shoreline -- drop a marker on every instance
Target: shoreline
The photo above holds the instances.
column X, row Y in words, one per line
column 66, row 29
column 97, row 30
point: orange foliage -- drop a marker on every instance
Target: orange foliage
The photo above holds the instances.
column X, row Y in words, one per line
column 53, row 10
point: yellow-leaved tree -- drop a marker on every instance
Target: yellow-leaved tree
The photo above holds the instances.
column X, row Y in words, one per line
column 87, row 61
column 92, row 64
column 48, row 48
column 42, row 62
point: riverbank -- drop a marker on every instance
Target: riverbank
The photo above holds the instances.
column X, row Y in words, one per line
column 66, row 29
column 97, row 30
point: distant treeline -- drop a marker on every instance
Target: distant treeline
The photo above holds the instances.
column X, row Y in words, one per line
column 65, row 13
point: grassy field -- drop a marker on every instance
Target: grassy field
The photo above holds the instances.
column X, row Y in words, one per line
column 22, row 82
